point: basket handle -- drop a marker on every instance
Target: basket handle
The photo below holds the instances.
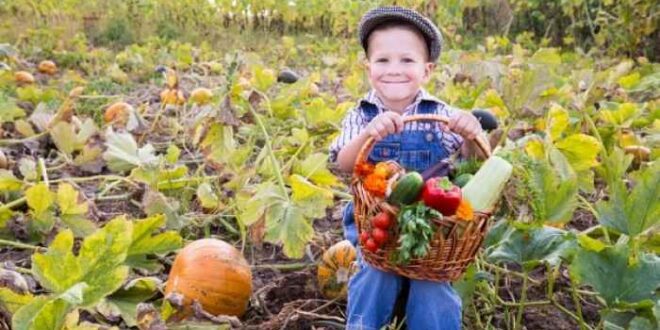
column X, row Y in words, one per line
column 482, row 144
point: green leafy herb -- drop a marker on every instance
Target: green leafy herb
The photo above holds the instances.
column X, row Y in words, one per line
column 415, row 231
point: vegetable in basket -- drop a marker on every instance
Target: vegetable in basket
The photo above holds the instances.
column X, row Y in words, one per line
column 442, row 195
column 415, row 231
column 485, row 188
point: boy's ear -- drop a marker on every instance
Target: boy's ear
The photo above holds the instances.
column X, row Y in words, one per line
column 428, row 68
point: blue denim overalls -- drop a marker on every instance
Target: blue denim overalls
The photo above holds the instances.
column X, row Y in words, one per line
column 372, row 293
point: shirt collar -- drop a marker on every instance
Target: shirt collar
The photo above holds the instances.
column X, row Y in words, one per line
column 422, row 95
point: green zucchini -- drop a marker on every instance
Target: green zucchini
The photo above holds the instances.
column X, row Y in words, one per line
column 406, row 189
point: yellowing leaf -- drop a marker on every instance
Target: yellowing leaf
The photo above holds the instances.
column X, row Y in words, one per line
column 64, row 137
column 629, row 81
column 547, row 56
column 39, row 198
column 557, row 121
column 315, row 168
column 535, row 149
column 623, row 115
column 207, row 197
column 8, row 181
column 12, row 301
column 580, row 150
column 263, row 78
column 41, row 313
column 99, row 263
column 67, row 199
column 148, row 240
column 173, row 153
column 312, row 199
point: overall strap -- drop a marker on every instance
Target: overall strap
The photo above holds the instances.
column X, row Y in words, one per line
column 427, row 107
column 370, row 110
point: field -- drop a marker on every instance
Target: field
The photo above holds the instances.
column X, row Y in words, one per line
column 130, row 129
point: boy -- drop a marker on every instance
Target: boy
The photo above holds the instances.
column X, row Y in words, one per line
column 402, row 47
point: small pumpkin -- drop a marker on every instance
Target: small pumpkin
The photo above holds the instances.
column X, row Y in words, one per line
column 215, row 274
column 118, row 113
column 24, row 78
column 201, row 96
column 335, row 269
column 172, row 96
column 47, row 67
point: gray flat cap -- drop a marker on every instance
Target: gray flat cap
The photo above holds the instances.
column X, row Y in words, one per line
column 380, row 15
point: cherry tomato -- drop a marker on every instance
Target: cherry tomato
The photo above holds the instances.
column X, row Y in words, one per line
column 382, row 220
column 371, row 245
column 379, row 235
column 364, row 236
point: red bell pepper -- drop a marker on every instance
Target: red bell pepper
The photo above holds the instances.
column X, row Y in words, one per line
column 442, row 195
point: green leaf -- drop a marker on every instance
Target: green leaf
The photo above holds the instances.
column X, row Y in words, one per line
column 546, row 56
column 581, row 151
column 529, row 247
column 9, row 111
column 315, row 168
column 263, row 78
column 123, row 154
column 155, row 203
column 42, row 313
column 622, row 116
column 8, row 182
column 64, row 137
column 39, row 198
column 312, row 199
column 13, row 301
column 173, row 153
column 286, row 223
column 72, row 213
column 134, row 292
column 253, row 203
column 590, row 244
column 318, row 113
column 610, row 274
column 643, row 204
column 630, row 81
column 99, row 262
column 630, row 212
column 148, row 241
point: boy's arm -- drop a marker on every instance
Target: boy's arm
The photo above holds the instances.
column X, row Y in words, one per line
column 348, row 154
column 384, row 124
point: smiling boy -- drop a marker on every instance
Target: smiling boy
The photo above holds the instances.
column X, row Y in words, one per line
column 401, row 47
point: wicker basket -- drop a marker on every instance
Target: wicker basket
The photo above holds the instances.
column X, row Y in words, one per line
column 453, row 246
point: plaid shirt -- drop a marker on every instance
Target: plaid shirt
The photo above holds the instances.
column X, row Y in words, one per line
column 356, row 120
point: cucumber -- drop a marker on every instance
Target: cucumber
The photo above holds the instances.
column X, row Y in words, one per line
column 406, row 190
column 463, row 179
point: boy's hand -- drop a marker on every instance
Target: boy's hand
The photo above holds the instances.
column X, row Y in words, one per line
column 465, row 124
column 388, row 122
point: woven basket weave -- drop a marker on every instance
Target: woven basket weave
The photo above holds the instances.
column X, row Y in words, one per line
column 453, row 246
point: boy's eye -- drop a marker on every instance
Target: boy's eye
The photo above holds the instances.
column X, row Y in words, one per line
column 408, row 60
column 381, row 60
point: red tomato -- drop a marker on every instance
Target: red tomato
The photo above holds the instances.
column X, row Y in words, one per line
column 370, row 245
column 379, row 235
column 382, row 220
column 364, row 236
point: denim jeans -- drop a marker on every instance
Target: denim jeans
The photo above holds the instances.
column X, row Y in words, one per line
column 372, row 294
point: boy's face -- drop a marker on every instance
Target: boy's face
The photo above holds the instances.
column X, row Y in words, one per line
column 397, row 65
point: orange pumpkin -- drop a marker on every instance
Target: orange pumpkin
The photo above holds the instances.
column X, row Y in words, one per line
column 47, row 67
column 172, row 96
column 201, row 96
column 215, row 274
column 118, row 113
column 335, row 269
column 24, row 78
